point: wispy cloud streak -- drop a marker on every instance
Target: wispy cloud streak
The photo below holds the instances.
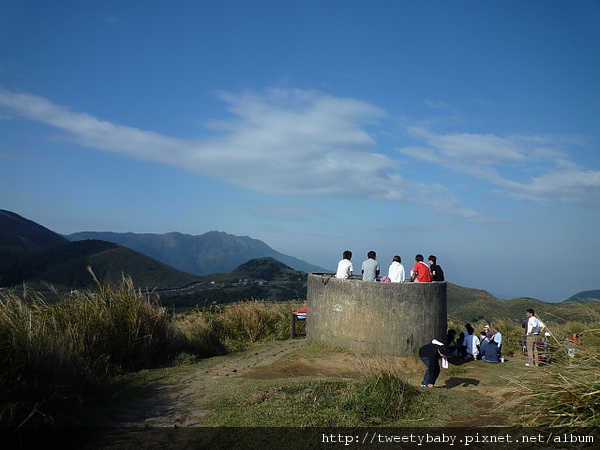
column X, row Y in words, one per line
column 547, row 171
column 285, row 142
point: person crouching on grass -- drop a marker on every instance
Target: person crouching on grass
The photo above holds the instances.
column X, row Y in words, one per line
column 431, row 354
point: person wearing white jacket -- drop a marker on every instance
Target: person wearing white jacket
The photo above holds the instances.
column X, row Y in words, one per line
column 396, row 271
column 471, row 342
column 534, row 327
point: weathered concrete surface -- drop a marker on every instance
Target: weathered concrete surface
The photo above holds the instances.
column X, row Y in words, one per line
column 375, row 317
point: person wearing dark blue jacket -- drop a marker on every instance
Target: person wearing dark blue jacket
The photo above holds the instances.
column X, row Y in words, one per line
column 431, row 354
column 490, row 353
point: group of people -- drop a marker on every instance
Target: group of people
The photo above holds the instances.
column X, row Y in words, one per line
column 486, row 346
column 371, row 269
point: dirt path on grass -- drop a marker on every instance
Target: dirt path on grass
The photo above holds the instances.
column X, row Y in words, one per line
column 181, row 400
column 491, row 391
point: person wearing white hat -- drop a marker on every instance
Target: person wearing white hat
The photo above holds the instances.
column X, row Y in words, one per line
column 431, row 354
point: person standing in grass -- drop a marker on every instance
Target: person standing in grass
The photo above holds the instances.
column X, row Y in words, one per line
column 370, row 267
column 534, row 327
column 497, row 338
column 344, row 268
column 431, row 354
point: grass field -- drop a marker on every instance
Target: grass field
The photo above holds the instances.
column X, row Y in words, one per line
column 58, row 357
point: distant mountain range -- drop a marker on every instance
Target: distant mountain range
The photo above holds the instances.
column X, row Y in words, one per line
column 212, row 252
column 31, row 253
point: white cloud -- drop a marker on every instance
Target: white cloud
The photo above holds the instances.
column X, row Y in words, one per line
column 486, row 156
column 298, row 143
column 89, row 131
column 283, row 142
column 471, row 149
column 570, row 185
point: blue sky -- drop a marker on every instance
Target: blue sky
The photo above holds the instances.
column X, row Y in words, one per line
column 468, row 129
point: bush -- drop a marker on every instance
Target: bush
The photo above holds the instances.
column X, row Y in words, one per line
column 382, row 396
column 572, row 398
column 55, row 355
column 51, row 354
column 252, row 321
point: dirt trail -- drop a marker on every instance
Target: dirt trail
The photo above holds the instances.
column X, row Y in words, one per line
column 181, row 400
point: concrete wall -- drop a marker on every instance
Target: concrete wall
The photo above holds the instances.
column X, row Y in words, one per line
column 374, row 317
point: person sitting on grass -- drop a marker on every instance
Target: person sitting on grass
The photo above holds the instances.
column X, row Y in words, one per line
column 483, row 343
column 490, row 352
column 471, row 343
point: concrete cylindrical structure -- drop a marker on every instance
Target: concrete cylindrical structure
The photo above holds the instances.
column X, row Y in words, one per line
column 374, row 317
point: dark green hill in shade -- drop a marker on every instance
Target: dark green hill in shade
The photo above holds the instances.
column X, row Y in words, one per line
column 268, row 269
column 18, row 234
column 66, row 265
column 33, row 254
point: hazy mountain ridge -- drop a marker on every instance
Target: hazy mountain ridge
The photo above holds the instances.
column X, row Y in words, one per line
column 585, row 297
column 30, row 252
column 211, row 252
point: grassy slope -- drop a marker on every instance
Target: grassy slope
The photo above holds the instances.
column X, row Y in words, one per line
column 472, row 305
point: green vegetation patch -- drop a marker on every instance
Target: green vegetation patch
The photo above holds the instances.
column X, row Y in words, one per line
column 380, row 398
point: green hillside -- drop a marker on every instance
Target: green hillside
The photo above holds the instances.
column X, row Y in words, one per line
column 257, row 279
column 33, row 254
column 471, row 305
column 66, row 266
column 585, row 297
column 20, row 234
column 268, row 269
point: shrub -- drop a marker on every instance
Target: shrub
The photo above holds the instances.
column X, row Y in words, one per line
column 252, row 321
column 572, row 398
column 52, row 353
column 197, row 335
column 381, row 396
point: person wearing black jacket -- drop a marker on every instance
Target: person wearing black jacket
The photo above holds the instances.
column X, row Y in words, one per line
column 437, row 274
column 431, row 354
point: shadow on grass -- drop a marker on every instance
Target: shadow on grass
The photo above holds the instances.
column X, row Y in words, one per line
column 464, row 382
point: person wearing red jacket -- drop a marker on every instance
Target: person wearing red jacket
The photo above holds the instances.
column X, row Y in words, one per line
column 420, row 272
